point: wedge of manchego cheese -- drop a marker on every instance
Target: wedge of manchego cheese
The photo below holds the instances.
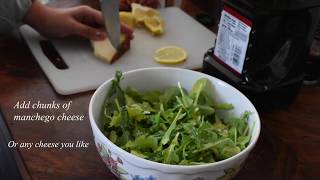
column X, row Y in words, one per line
column 105, row 51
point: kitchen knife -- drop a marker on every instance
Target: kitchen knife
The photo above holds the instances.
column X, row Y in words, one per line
column 110, row 11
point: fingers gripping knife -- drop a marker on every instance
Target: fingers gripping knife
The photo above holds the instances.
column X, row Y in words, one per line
column 116, row 43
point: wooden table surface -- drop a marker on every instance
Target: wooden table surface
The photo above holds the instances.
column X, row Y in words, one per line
column 288, row 147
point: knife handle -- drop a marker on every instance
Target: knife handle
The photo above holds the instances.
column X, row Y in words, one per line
column 52, row 54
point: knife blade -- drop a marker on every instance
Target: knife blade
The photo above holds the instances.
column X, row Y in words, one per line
column 110, row 11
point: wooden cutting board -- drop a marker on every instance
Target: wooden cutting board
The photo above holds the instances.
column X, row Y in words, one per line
column 86, row 72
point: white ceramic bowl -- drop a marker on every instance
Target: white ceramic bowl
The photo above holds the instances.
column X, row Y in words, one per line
column 127, row 166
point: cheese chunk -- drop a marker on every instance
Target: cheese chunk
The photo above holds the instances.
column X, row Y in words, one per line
column 105, row 51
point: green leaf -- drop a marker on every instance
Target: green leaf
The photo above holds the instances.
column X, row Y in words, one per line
column 138, row 130
column 169, row 96
column 240, row 123
column 206, row 133
column 206, row 110
column 151, row 96
column 201, row 92
column 185, row 100
column 115, row 92
column 229, row 151
column 143, row 142
column 243, row 141
column 166, row 138
column 139, row 112
column 129, row 100
column 218, row 144
column 115, row 120
column 138, row 153
column 124, row 138
column 113, row 136
column 188, row 127
column 197, row 88
column 134, row 94
column 233, row 134
column 136, row 112
column 185, row 140
column 155, row 119
column 223, row 106
column 206, row 99
column 170, row 155
column 219, row 127
column 184, row 162
column 168, row 115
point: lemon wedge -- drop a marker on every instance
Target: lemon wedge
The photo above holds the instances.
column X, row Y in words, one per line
column 170, row 55
column 127, row 18
column 155, row 25
column 150, row 12
column 139, row 12
column 149, row 18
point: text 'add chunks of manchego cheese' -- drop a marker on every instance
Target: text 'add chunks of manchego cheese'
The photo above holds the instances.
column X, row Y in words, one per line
column 105, row 51
column 149, row 18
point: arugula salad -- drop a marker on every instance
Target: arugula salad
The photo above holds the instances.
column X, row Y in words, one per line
column 173, row 126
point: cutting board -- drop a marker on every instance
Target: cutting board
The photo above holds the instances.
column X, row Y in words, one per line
column 86, row 72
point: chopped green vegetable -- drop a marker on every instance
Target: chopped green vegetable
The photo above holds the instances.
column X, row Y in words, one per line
column 170, row 154
column 113, row 136
column 166, row 138
column 143, row 143
column 173, row 126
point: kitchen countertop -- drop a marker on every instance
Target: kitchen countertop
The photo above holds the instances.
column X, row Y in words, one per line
column 288, row 147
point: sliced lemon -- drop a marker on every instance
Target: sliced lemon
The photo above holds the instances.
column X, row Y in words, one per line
column 148, row 17
column 150, row 12
column 170, row 55
column 127, row 18
column 154, row 24
column 139, row 12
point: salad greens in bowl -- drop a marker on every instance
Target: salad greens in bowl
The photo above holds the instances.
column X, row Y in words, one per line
column 170, row 123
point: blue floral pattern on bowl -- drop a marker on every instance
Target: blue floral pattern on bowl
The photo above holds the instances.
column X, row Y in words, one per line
column 138, row 177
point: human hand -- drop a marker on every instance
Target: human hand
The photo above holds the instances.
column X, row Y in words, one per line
column 82, row 20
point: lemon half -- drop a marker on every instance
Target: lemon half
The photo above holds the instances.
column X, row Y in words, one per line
column 170, row 55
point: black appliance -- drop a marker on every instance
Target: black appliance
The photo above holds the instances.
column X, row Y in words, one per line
column 262, row 46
